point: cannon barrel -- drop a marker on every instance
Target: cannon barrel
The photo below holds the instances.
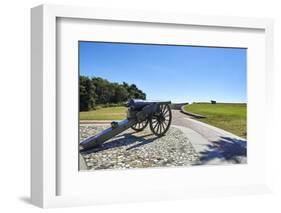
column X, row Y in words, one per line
column 136, row 104
column 105, row 135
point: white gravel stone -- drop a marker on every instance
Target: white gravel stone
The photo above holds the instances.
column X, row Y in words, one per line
column 142, row 149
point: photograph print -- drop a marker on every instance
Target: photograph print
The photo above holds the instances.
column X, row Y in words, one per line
column 155, row 105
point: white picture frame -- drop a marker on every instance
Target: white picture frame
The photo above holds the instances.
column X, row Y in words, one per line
column 44, row 149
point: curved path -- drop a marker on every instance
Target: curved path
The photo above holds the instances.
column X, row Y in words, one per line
column 214, row 145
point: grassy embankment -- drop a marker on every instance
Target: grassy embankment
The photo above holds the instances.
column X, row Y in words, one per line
column 230, row 117
column 107, row 113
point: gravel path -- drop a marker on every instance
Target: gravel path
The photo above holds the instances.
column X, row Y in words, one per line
column 139, row 149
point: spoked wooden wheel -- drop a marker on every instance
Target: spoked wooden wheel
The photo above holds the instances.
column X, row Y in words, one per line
column 140, row 126
column 161, row 121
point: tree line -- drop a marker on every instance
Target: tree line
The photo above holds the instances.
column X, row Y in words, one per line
column 98, row 91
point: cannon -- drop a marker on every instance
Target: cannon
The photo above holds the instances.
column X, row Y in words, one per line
column 140, row 113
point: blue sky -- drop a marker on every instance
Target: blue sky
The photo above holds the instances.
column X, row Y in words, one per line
column 176, row 73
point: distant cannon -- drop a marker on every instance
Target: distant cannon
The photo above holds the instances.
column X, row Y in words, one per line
column 140, row 113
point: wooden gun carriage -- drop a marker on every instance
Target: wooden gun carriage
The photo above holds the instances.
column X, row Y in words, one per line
column 140, row 113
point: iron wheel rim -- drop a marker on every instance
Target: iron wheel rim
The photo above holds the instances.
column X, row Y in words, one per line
column 140, row 126
column 161, row 121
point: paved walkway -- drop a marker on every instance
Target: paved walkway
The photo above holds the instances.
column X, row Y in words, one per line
column 214, row 145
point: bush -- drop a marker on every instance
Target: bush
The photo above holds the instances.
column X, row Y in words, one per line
column 110, row 105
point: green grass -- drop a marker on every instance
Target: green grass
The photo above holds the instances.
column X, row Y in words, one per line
column 108, row 113
column 230, row 117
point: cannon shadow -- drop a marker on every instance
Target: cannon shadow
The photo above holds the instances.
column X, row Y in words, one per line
column 123, row 140
column 226, row 148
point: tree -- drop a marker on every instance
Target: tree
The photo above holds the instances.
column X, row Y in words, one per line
column 97, row 90
column 103, row 90
column 120, row 94
column 134, row 92
column 87, row 94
